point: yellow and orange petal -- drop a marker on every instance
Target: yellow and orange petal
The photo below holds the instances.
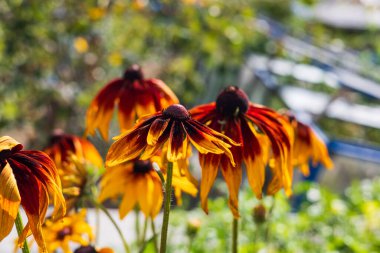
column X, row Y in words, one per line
column 307, row 146
column 262, row 133
column 173, row 126
column 137, row 183
column 133, row 95
column 63, row 146
column 32, row 180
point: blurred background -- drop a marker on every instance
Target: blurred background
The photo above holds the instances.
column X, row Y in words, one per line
column 321, row 59
column 318, row 58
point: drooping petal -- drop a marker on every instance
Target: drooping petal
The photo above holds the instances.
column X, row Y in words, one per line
column 114, row 180
column 209, row 164
column 255, row 153
column 177, row 146
column 100, row 112
column 203, row 140
column 9, row 201
column 145, row 198
column 163, row 95
column 130, row 198
column 158, row 198
column 43, row 168
column 272, row 124
column 233, row 177
column 126, row 113
column 156, row 129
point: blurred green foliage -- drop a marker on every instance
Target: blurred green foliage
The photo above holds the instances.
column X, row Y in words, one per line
column 322, row 222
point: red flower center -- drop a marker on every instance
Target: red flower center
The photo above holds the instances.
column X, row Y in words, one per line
column 142, row 167
column 133, row 74
column 64, row 232
column 232, row 101
column 176, row 111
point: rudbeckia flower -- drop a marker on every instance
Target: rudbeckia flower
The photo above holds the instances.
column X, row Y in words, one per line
column 74, row 156
column 133, row 95
column 173, row 126
column 63, row 146
column 138, row 183
column 307, row 146
column 29, row 178
column 71, row 229
column 263, row 135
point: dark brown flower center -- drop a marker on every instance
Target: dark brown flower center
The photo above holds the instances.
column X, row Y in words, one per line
column 142, row 167
column 85, row 249
column 63, row 233
column 133, row 74
column 232, row 101
column 176, row 111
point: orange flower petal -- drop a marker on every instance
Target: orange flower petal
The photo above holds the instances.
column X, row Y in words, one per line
column 8, row 143
column 209, row 164
column 163, row 95
column 100, row 112
column 129, row 199
column 156, row 130
column 128, row 146
column 233, row 177
column 9, row 201
column 254, row 157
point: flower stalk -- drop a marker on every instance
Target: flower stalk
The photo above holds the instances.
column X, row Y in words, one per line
column 19, row 227
column 101, row 207
column 165, row 222
column 235, row 232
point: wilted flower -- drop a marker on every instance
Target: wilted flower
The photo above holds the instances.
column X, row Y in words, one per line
column 71, row 229
column 134, row 96
column 28, row 177
column 262, row 133
column 74, row 156
column 307, row 146
column 173, row 125
column 138, row 183
column 259, row 214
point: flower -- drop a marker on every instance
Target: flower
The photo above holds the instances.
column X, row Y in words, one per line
column 173, row 125
column 91, row 249
column 134, row 96
column 307, row 146
column 28, row 177
column 72, row 228
column 73, row 156
column 262, row 133
column 138, row 183
column 62, row 146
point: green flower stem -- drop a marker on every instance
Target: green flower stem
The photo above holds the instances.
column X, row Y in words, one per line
column 235, row 232
column 165, row 222
column 101, row 207
column 143, row 235
column 20, row 227
column 154, row 236
column 137, row 225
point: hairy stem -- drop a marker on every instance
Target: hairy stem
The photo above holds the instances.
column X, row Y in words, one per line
column 165, row 222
